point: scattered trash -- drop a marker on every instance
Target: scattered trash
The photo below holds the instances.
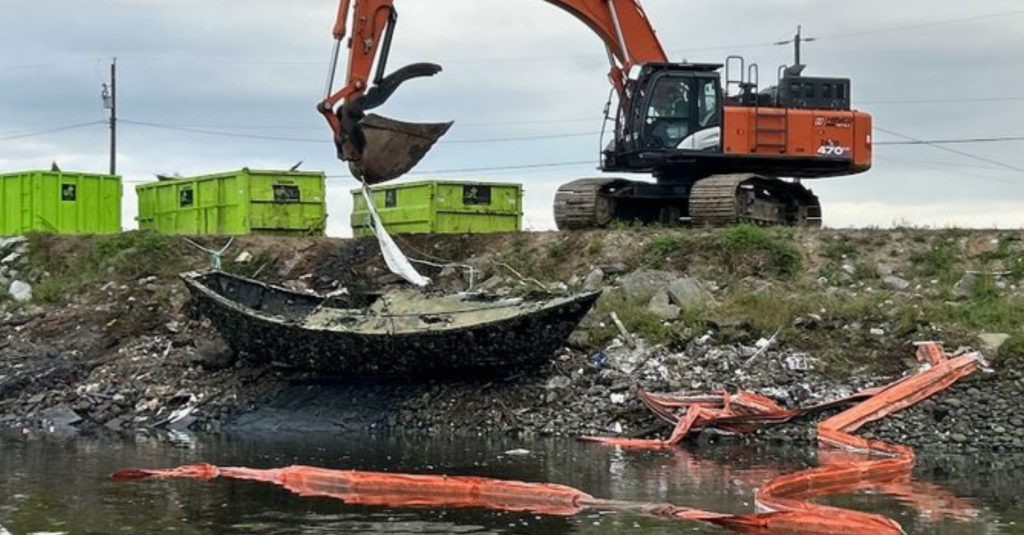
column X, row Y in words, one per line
column 622, row 329
column 518, row 452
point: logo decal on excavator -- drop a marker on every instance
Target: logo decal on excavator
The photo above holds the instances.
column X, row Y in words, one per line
column 833, row 122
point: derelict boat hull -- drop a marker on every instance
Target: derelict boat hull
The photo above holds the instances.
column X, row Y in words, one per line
column 273, row 325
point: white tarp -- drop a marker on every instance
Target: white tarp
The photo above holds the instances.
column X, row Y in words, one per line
column 395, row 259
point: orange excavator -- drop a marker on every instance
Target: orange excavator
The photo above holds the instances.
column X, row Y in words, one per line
column 717, row 148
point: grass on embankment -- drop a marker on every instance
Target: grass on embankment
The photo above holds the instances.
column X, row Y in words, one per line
column 72, row 265
column 770, row 278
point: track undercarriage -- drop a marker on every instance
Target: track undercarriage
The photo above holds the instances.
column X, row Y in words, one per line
column 715, row 201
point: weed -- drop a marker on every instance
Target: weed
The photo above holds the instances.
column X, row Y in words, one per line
column 595, row 247
column 940, row 262
column 558, row 251
column 663, row 247
column 752, row 250
column 839, row 250
column 637, row 319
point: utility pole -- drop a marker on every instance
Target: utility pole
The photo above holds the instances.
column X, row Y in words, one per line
column 797, row 40
column 110, row 103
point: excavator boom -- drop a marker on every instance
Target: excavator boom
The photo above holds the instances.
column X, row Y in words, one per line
column 379, row 149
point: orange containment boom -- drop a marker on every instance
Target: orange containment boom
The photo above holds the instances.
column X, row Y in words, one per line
column 850, row 464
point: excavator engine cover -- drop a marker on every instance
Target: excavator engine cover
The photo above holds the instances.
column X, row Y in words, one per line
column 393, row 147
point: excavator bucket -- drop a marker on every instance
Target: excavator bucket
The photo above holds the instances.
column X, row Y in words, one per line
column 393, row 147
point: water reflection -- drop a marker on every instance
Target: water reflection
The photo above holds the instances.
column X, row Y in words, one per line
column 63, row 486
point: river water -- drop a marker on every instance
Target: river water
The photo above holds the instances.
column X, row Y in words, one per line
column 53, row 485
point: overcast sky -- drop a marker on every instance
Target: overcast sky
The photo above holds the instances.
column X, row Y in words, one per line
column 513, row 68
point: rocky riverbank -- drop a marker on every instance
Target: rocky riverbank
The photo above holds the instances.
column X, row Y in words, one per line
column 97, row 333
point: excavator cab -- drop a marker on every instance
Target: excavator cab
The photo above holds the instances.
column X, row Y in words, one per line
column 674, row 109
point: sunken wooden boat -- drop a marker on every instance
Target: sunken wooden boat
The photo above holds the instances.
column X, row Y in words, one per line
column 397, row 333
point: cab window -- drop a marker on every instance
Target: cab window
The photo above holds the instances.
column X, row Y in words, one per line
column 669, row 112
column 707, row 104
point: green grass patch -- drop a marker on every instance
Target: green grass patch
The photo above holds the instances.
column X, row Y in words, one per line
column 638, row 321
column 751, row 250
column 838, row 250
column 66, row 266
column 662, row 248
column 940, row 262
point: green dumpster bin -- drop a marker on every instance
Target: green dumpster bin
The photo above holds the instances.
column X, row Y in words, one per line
column 59, row 202
column 248, row 201
column 441, row 207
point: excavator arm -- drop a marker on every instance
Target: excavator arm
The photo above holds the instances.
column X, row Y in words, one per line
column 380, row 149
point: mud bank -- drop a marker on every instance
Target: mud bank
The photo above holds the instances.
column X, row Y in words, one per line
column 107, row 340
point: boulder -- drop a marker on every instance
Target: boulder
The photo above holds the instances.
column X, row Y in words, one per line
column 688, row 292
column 20, row 291
column 895, row 283
column 966, row 286
column 594, row 281
column 643, row 283
column 991, row 342
column 7, row 244
column 662, row 307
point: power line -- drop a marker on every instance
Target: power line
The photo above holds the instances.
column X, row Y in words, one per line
column 546, row 165
column 518, row 138
column 941, row 100
column 50, row 131
column 42, row 65
column 323, row 140
column 223, row 134
column 458, row 124
column 954, row 151
column 320, row 62
column 946, row 169
column 931, row 24
column 950, row 141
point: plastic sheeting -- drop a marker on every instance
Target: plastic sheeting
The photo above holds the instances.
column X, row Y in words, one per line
column 395, row 259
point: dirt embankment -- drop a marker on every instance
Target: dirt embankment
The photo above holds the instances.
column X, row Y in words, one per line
column 106, row 338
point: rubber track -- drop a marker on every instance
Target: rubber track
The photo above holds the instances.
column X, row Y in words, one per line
column 713, row 200
column 576, row 203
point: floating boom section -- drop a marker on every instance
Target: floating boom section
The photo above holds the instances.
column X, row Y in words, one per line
column 849, row 464
column 379, row 149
